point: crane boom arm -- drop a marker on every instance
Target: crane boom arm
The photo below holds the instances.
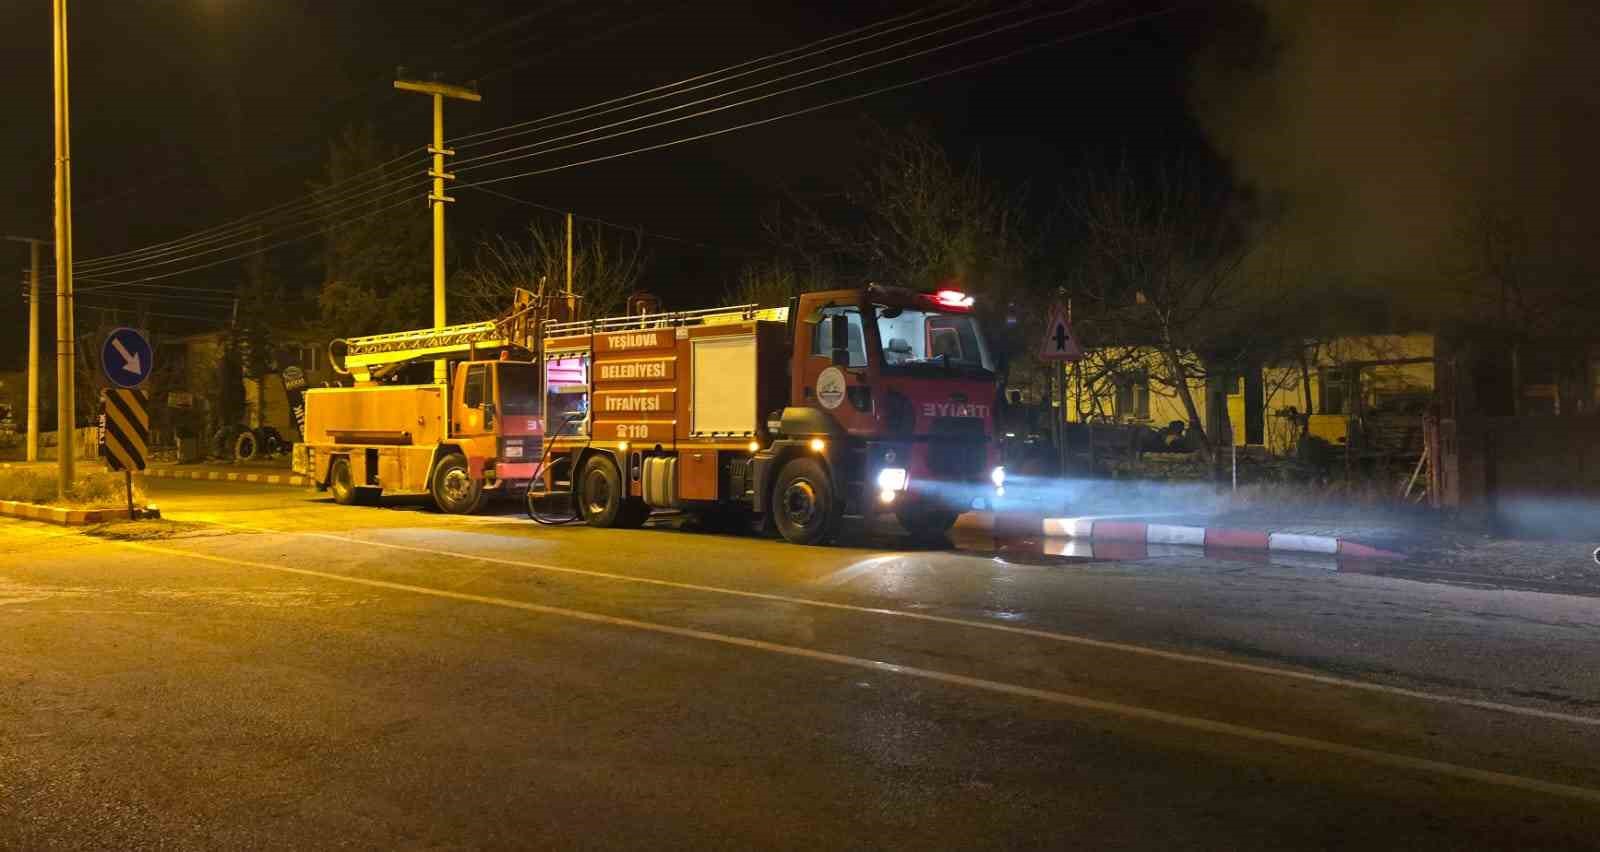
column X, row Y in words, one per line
column 378, row 355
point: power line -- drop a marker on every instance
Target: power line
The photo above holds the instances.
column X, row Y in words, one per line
column 465, row 139
column 347, row 190
column 721, row 131
column 632, row 229
column 472, row 164
column 485, row 161
column 668, row 90
column 180, row 251
column 818, row 107
column 181, row 288
column 266, row 248
column 354, row 189
column 361, row 177
column 310, row 216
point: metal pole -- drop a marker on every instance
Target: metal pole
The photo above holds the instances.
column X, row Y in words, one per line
column 1060, row 404
column 33, row 350
column 1062, row 450
column 66, row 393
column 1235, row 461
column 569, row 256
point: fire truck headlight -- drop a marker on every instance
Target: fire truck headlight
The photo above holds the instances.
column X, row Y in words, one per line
column 998, row 477
column 892, row 479
column 886, row 496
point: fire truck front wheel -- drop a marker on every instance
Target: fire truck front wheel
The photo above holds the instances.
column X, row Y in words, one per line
column 604, row 501
column 454, row 489
column 805, row 505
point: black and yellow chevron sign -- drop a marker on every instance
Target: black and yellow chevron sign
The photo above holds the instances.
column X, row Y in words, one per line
column 127, row 419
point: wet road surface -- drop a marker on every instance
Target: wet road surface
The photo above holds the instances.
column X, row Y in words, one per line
column 285, row 672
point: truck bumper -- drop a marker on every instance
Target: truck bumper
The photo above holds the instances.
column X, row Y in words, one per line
column 516, row 470
column 924, row 488
column 511, row 477
column 945, row 496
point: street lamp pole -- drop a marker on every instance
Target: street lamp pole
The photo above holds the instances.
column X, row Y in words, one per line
column 437, row 199
column 66, row 394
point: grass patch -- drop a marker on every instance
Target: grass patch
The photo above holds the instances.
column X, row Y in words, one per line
column 99, row 490
column 152, row 530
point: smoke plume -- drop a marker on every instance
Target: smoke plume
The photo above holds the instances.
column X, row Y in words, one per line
column 1384, row 127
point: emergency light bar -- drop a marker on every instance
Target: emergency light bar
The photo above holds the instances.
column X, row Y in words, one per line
column 953, row 299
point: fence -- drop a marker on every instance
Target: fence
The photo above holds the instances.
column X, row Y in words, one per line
column 1538, row 474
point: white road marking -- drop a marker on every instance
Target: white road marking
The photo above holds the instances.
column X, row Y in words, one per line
column 1064, row 638
column 1111, row 708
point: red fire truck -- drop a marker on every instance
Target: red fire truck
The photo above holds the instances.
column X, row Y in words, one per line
column 860, row 401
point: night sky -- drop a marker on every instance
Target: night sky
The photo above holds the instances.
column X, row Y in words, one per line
column 1374, row 127
column 189, row 113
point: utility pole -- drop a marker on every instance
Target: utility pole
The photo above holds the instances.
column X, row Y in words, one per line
column 34, row 252
column 569, row 255
column 66, row 393
column 437, row 199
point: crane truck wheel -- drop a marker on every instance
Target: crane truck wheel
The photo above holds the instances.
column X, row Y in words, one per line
column 604, row 501
column 454, row 489
column 341, row 483
column 805, row 505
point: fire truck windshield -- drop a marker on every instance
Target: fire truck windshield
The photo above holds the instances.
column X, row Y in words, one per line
column 913, row 338
column 519, row 388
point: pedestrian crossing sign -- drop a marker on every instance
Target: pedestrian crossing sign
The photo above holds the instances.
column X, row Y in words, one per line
column 1059, row 343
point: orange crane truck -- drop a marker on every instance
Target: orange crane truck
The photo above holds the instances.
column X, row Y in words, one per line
column 862, row 401
column 462, row 442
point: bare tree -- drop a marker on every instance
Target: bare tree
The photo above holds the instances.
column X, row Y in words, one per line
column 1163, row 258
column 374, row 261
column 1532, row 278
column 918, row 219
column 770, row 283
column 604, row 269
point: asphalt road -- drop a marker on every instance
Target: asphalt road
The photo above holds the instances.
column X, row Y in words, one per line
column 280, row 672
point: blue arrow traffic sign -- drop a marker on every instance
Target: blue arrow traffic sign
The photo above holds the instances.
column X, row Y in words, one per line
column 126, row 358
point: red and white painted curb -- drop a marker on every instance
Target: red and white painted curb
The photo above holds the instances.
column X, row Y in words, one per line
column 1104, row 529
column 227, row 476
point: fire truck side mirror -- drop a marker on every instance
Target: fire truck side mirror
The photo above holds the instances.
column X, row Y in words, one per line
column 839, row 339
